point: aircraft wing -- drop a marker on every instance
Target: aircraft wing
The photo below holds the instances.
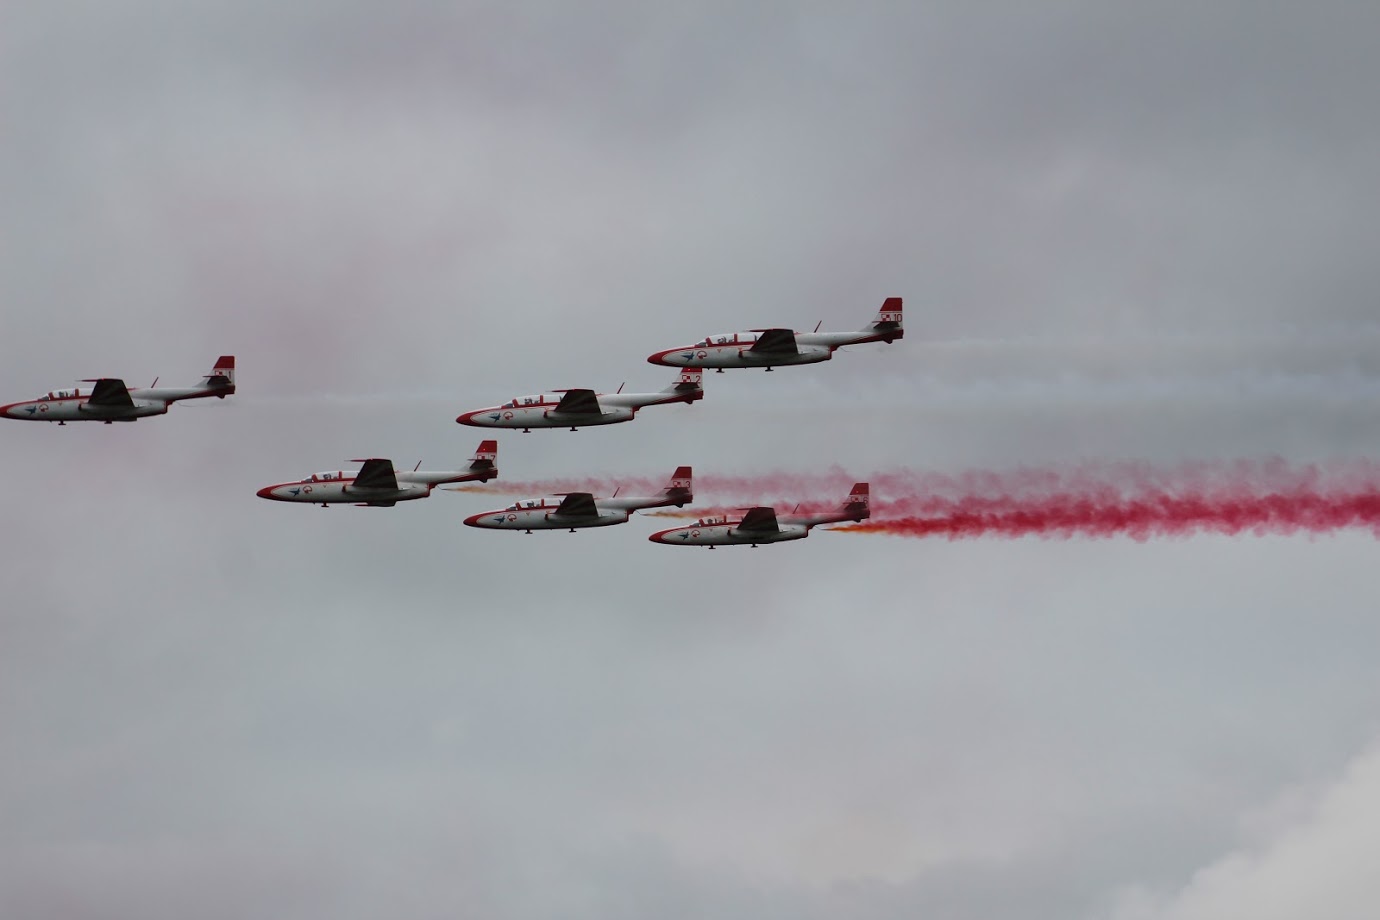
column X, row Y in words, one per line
column 775, row 342
column 578, row 402
column 376, row 474
column 577, row 505
column 759, row 520
column 111, row 393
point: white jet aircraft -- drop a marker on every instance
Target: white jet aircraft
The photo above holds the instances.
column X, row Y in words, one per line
column 770, row 348
column 109, row 400
column 581, row 509
column 579, row 408
column 760, row 525
column 378, row 485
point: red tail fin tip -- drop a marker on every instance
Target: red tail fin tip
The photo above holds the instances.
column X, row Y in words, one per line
column 223, row 374
column 681, row 478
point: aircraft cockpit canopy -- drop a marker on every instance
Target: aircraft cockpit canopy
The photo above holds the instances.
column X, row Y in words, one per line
column 63, row 394
column 523, row 401
column 733, row 338
column 328, row 476
column 527, row 504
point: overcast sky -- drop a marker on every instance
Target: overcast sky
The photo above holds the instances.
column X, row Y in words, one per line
column 1123, row 232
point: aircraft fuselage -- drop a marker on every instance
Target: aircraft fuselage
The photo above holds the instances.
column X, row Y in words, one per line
column 544, row 518
column 779, row 347
column 736, row 350
column 110, row 400
column 543, row 514
column 541, row 411
column 318, row 490
column 728, row 534
column 73, row 405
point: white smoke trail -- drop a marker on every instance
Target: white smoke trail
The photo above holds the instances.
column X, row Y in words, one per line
column 1306, row 367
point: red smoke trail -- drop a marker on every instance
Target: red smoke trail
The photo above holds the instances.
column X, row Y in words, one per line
column 1140, row 502
column 1140, row 518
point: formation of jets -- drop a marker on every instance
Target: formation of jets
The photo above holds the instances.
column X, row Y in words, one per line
column 377, row 484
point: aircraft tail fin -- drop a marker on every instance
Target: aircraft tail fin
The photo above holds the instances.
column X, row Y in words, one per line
column 689, row 384
column 222, row 376
column 887, row 325
column 680, row 487
column 485, row 459
column 858, row 503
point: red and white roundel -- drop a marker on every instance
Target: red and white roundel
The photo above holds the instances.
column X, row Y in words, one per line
column 701, row 354
column 42, row 407
column 306, row 489
column 508, row 415
column 512, row 517
column 695, row 534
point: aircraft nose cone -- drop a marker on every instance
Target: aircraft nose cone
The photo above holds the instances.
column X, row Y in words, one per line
column 267, row 492
column 466, row 418
column 659, row 536
column 8, row 410
column 474, row 520
column 660, row 357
